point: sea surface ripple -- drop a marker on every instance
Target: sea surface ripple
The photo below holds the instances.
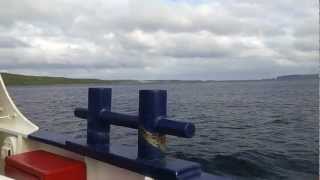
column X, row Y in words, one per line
column 246, row 129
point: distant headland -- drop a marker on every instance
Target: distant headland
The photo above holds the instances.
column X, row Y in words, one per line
column 298, row 76
column 19, row 79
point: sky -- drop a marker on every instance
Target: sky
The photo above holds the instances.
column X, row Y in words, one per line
column 160, row 39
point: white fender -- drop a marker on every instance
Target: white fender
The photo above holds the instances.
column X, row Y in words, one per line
column 12, row 121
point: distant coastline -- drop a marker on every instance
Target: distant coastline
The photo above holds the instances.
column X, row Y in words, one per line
column 21, row 80
column 298, row 76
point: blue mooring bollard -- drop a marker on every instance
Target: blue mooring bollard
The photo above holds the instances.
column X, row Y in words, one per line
column 152, row 108
column 152, row 123
column 97, row 129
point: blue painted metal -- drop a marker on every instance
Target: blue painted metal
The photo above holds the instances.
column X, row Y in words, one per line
column 120, row 119
column 175, row 128
column 152, row 107
column 152, row 124
column 97, row 129
column 163, row 125
column 126, row 157
column 81, row 113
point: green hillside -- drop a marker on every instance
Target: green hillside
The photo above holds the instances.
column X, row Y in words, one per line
column 15, row 79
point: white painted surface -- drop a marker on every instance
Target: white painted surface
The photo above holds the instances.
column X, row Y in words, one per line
column 97, row 170
column 12, row 120
column 9, row 147
column 5, row 178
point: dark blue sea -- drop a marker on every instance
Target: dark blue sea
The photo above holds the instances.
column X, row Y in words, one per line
column 245, row 129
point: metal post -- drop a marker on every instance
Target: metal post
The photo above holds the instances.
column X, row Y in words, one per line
column 152, row 107
column 98, row 130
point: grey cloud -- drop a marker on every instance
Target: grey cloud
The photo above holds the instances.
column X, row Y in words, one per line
column 9, row 42
column 306, row 45
column 159, row 39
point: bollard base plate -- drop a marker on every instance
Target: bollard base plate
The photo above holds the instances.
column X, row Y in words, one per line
column 126, row 157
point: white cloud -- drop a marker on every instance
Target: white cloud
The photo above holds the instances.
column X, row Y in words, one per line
column 223, row 39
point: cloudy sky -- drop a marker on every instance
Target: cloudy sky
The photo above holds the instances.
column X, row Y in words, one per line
column 159, row 39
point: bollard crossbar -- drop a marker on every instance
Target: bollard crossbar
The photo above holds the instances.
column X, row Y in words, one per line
column 152, row 123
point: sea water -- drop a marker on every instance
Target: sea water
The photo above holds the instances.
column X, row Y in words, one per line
column 245, row 129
